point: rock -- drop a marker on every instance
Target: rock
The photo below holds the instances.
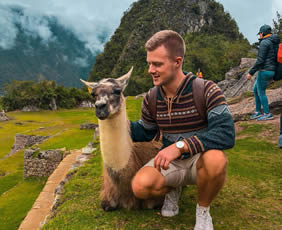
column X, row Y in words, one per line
column 87, row 125
column 30, row 108
column 236, row 83
column 22, row 141
column 41, row 163
column 242, row 110
column 86, row 104
column 3, row 116
column 88, row 149
column 53, row 105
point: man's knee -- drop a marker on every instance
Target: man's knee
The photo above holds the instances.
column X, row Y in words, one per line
column 146, row 180
column 214, row 162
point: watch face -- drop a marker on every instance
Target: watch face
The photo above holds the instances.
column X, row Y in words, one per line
column 180, row 144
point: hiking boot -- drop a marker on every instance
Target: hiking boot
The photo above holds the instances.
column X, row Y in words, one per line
column 203, row 219
column 170, row 207
column 255, row 115
column 280, row 142
column 265, row 117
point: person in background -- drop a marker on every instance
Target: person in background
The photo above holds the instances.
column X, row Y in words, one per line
column 266, row 65
column 280, row 138
column 199, row 74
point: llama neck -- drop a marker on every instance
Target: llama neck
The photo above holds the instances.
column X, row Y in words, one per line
column 115, row 140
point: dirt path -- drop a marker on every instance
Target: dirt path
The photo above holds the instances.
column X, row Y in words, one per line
column 42, row 206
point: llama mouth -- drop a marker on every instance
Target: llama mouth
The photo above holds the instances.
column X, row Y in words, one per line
column 102, row 115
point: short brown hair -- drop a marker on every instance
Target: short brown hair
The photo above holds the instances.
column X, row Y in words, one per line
column 170, row 39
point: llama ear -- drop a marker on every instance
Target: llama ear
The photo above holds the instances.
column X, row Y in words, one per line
column 90, row 85
column 123, row 81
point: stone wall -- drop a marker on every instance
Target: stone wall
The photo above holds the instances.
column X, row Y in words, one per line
column 22, row 141
column 41, row 163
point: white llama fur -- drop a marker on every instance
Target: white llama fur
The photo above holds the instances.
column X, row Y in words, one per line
column 115, row 138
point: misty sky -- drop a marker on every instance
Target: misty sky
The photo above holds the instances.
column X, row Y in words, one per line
column 90, row 18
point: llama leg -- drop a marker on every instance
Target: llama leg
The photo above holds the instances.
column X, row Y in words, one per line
column 109, row 193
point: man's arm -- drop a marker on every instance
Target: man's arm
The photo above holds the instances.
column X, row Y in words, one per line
column 220, row 134
column 146, row 128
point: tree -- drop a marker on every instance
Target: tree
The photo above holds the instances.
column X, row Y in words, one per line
column 277, row 25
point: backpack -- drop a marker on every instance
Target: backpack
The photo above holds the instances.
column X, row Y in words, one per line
column 198, row 86
column 278, row 71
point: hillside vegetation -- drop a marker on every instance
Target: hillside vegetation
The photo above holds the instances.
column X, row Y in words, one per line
column 41, row 95
column 212, row 37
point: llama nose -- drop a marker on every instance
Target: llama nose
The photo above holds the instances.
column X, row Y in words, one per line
column 100, row 105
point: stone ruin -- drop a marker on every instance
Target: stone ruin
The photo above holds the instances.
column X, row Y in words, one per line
column 41, row 163
column 3, row 116
column 22, row 141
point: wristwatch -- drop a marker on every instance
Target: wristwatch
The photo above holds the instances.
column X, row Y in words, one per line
column 180, row 145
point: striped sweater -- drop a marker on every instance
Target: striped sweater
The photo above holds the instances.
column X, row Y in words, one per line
column 177, row 118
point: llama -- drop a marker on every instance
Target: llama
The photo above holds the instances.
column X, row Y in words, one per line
column 121, row 157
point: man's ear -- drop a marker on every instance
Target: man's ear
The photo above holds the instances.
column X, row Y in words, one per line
column 123, row 81
column 178, row 61
column 90, row 85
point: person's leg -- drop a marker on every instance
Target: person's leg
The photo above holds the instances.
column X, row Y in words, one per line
column 280, row 138
column 257, row 112
column 257, row 99
column 262, row 82
column 211, row 173
column 148, row 183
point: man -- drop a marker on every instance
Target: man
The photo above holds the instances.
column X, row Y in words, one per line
column 192, row 147
column 266, row 64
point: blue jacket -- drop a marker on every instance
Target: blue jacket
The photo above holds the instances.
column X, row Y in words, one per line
column 267, row 54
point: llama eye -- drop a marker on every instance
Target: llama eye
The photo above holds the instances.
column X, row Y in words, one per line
column 117, row 91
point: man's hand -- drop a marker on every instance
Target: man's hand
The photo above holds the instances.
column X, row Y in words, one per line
column 249, row 76
column 165, row 156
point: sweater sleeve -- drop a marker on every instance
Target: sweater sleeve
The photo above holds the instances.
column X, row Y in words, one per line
column 262, row 53
column 220, row 131
column 146, row 128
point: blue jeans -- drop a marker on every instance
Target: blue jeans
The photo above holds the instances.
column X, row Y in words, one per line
column 263, row 78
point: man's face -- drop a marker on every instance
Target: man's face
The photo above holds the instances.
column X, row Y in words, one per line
column 161, row 66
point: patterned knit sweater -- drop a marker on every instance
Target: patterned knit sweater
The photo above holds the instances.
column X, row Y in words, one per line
column 178, row 119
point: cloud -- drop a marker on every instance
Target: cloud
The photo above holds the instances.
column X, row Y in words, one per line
column 88, row 19
column 8, row 31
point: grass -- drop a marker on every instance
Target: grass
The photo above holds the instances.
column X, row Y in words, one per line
column 16, row 193
column 250, row 199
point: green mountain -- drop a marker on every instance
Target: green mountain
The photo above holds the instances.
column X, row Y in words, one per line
column 212, row 38
column 64, row 58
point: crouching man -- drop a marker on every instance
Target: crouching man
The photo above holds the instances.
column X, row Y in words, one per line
column 192, row 151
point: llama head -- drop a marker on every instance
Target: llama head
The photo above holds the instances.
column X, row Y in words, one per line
column 108, row 94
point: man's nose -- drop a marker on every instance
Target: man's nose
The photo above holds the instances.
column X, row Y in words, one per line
column 151, row 69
